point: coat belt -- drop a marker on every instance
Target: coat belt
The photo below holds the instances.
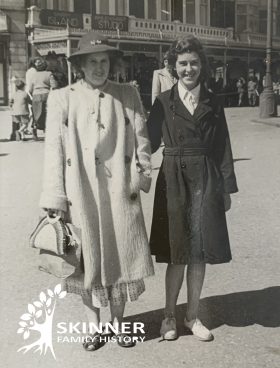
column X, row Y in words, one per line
column 186, row 151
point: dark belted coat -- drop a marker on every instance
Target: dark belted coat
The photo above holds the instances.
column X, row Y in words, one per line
column 189, row 222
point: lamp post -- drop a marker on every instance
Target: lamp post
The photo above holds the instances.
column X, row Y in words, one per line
column 268, row 105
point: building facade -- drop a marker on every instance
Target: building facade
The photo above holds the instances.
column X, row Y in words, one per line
column 232, row 31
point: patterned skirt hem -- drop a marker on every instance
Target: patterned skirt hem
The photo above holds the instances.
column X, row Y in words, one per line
column 101, row 296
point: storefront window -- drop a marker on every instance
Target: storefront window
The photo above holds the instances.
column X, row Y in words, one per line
column 120, row 7
column 152, row 9
column 42, row 4
column 177, row 10
column 82, row 7
column 63, row 5
column 190, row 11
column 136, row 8
column 104, row 7
column 263, row 21
column 203, row 13
column 165, row 9
column 55, row 4
column 223, row 13
column 241, row 23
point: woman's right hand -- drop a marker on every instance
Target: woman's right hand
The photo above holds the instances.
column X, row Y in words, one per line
column 53, row 213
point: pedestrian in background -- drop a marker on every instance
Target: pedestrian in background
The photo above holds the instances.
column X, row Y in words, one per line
column 97, row 159
column 20, row 112
column 163, row 79
column 241, row 91
column 193, row 186
column 28, row 78
column 39, row 86
column 252, row 92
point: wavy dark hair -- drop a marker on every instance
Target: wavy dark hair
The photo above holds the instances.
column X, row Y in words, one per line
column 189, row 43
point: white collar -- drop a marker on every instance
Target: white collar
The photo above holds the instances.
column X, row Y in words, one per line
column 183, row 92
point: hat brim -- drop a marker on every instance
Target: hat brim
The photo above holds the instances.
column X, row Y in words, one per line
column 94, row 50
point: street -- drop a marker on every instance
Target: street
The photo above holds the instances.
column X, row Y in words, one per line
column 240, row 301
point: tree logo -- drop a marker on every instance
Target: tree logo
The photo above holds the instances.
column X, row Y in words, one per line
column 40, row 318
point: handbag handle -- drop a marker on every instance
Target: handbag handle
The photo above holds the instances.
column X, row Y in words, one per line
column 53, row 220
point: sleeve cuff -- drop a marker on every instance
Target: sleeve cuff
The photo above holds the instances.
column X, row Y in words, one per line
column 55, row 202
column 230, row 187
column 145, row 182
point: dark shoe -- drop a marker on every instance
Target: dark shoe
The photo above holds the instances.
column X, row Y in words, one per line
column 18, row 136
column 125, row 340
column 93, row 342
column 34, row 133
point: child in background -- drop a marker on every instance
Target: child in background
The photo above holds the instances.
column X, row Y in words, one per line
column 20, row 112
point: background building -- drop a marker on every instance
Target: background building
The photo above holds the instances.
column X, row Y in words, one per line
column 232, row 31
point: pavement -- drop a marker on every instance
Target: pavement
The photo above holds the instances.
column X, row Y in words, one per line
column 240, row 301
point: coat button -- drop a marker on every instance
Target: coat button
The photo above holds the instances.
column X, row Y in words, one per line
column 127, row 159
column 181, row 138
column 70, row 203
column 69, row 162
column 101, row 95
column 133, row 196
column 127, row 121
column 183, row 165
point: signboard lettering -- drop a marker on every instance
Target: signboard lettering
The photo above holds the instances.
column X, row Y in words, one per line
column 110, row 22
column 60, row 18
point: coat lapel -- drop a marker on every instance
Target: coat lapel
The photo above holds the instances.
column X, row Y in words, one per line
column 204, row 106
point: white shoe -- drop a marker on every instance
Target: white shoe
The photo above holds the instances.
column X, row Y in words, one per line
column 168, row 329
column 198, row 330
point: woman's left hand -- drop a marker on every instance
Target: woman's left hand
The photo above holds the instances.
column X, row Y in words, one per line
column 227, row 201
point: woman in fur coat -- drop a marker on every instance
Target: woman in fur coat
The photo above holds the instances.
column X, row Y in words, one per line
column 97, row 159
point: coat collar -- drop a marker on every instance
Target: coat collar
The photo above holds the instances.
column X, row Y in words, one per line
column 205, row 105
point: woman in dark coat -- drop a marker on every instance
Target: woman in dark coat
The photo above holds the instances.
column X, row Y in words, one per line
column 194, row 183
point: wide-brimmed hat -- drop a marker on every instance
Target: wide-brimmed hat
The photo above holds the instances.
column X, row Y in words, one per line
column 93, row 42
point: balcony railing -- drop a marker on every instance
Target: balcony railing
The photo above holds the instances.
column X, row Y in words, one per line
column 172, row 29
column 257, row 40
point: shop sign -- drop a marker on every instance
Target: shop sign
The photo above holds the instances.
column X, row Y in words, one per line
column 110, row 22
column 59, row 47
column 60, row 18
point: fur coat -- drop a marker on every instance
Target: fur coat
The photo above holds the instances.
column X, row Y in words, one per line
column 97, row 155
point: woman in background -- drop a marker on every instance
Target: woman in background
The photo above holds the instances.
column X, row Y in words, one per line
column 163, row 79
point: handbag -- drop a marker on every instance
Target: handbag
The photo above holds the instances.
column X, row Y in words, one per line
column 60, row 246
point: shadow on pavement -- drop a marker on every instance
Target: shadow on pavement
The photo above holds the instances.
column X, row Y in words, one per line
column 238, row 310
column 241, row 159
column 4, row 154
